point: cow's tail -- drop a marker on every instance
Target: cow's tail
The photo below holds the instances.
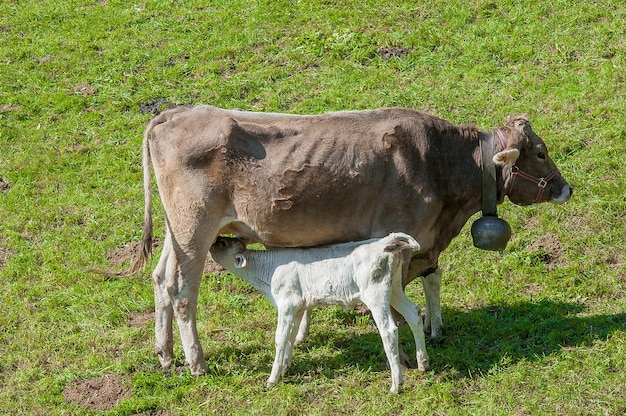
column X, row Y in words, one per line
column 144, row 251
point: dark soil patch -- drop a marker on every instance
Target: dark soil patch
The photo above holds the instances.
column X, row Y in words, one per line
column 84, row 89
column 101, row 393
column 156, row 106
column 126, row 255
column 4, row 185
column 212, row 267
column 549, row 250
column 10, row 107
column 393, row 52
column 5, row 253
column 140, row 319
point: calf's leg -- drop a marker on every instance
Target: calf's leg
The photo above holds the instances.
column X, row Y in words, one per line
column 303, row 327
column 284, row 328
column 296, row 327
column 381, row 312
column 410, row 311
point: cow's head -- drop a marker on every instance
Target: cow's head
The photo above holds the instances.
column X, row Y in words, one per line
column 529, row 174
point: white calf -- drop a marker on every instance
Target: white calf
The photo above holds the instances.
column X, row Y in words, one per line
column 295, row 280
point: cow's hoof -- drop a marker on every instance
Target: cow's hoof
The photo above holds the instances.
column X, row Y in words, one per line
column 199, row 370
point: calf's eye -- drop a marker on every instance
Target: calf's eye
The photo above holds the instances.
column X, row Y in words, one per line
column 541, row 155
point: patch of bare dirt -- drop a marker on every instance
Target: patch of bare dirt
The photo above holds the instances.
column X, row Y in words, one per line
column 613, row 260
column 10, row 107
column 4, row 185
column 393, row 52
column 4, row 256
column 100, row 393
column 549, row 250
column 126, row 255
column 211, row 266
column 140, row 319
column 533, row 289
column 84, row 89
column 156, row 106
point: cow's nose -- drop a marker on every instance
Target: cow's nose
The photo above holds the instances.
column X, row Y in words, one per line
column 566, row 193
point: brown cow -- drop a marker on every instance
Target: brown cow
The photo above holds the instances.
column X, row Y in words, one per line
column 298, row 180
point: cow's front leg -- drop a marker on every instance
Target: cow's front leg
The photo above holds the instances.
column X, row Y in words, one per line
column 432, row 293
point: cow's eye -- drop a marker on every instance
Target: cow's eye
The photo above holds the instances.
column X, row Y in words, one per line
column 541, row 155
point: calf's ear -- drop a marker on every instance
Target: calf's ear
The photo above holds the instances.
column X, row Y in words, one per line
column 240, row 261
column 506, row 157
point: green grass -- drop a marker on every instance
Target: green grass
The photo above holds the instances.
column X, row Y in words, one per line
column 540, row 329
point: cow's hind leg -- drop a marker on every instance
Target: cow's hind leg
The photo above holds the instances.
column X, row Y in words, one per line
column 432, row 293
column 163, row 312
column 187, row 275
column 176, row 283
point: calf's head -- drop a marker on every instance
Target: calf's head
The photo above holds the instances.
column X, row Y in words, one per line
column 229, row 252
column 529, row 175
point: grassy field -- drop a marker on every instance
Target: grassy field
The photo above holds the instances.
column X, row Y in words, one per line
column 540, row 329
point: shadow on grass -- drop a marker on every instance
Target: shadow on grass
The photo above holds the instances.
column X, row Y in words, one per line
column 475, row 341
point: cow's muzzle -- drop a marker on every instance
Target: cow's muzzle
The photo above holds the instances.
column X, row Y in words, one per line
column 541, row 183
column 566, row 193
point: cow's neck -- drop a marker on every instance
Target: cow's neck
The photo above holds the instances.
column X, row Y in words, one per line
column 468, row 199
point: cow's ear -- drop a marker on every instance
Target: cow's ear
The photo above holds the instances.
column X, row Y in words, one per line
column 240, row 261
column 506, row 157
column 517, row 121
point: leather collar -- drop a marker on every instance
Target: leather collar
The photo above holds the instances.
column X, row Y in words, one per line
column 490, row 189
